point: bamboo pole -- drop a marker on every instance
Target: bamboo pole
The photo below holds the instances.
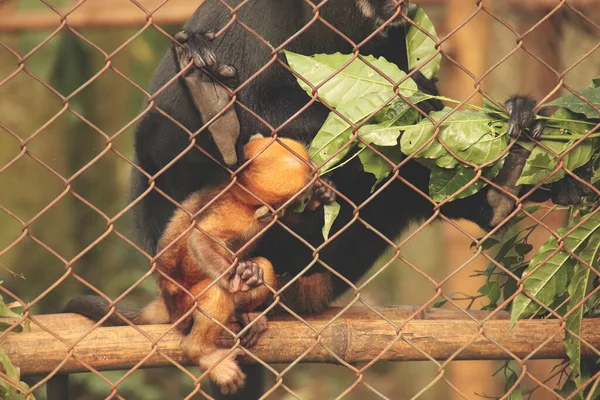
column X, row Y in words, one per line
column 109, row 14
column 536, row 79
column 359, row 335
column 469, row 47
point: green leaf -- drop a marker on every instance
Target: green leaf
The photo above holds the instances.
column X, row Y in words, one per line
column 493, row 108
column 468, row 134
column 510, row 287
column 523, row 248
column 444, row 183
column 9, row 391
column 439, row 303
column 517, row 393
column 4, row 326
column 579, row 287
column 374, row 164
column 355, row 81
column 420, row 46
column 491, row 290
column 575, row 104
column 540, row 164
column 336, row 132
column 567, row 122
column 7, row 312
column 380, row 135
column 487, row 244
column 331, row 212
column 300, row 205
column 398, row 113
column 550, row 281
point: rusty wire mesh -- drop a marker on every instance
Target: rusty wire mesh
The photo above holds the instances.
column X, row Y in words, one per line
column 22, row 152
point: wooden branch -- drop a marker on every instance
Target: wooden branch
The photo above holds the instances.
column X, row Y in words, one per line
column 359, row 335
column 101, row 14
column 110, row 14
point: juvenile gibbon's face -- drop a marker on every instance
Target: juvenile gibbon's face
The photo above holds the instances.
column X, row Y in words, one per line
column 382, row 10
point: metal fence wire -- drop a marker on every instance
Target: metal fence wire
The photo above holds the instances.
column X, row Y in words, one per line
column 67, row 154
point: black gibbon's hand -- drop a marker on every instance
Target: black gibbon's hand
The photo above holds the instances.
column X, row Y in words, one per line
column 209, row 97
column 521, row 111
column 567, row 191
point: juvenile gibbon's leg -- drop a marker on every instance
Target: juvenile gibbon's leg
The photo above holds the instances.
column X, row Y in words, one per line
column 155, row 312
column 200, row 343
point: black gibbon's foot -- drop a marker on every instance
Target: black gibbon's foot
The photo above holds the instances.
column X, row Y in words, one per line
column 198, row 47
column 247, row 275
column 520, row 109
column 209, row 96
column 321, row 194
column 569, row 191
column 250, row 338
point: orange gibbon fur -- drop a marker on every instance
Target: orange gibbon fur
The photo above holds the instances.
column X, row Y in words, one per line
column 194, row 258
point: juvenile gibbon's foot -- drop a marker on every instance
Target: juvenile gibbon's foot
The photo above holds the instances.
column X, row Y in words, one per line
column 258, row 327
column 227, row 373
column 321, row 194
column 198, row 47
column 521, row 111
column 247, row 275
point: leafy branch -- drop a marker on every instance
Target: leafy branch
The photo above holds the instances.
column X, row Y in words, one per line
column 374, row 116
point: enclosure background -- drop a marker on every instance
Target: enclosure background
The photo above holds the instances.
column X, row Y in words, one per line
column 110, row 103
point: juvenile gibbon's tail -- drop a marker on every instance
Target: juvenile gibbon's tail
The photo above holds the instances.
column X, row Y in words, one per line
column 96, row 308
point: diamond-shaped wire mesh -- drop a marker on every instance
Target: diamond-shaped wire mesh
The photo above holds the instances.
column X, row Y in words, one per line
column 73, row 79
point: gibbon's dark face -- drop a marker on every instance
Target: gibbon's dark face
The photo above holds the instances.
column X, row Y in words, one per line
column 382, row 10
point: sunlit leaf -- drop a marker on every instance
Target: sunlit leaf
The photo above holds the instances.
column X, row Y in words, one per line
column 577, row 105
column 549, row 281
column 420, row 46
column 579, row 287
column 353, row 82
column 331, row 212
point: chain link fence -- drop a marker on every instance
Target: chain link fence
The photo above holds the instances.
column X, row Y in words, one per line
column 73, row 78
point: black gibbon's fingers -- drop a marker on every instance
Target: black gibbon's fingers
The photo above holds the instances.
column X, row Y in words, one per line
column 520, row 109
column 428, row 87
column 258, row 327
